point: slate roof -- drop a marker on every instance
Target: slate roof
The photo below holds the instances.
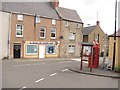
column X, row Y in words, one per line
column 88, row 30
column 68, row 14
column 43, row 9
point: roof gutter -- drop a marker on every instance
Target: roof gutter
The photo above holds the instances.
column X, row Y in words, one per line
column 29, row 14
column 73, row 21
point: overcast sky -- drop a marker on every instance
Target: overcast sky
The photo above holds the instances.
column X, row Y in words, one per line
column 119, row 15
column 88, row 9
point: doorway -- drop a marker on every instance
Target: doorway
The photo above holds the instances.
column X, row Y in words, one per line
column 17, row 51
column 41, row 51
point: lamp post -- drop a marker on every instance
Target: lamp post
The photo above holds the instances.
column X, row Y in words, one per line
column 114, row 49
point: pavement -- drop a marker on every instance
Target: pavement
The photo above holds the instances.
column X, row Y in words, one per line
column 96, row 71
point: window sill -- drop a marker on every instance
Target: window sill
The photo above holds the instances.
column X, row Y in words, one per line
column 42, row 37
column 66, row 26
column 32, row 54
column 19, row 36
column 54, row 24
column 20, row 20
column 38, row 22
column 50, row 53
column 53, row 38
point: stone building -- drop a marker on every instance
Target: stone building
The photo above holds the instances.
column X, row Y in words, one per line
column 111, row 46
column 33, row 32
column 40, row 30
column 71, row 32
column 95, row 32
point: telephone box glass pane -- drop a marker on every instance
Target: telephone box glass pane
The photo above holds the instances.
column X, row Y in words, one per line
column 86, row 50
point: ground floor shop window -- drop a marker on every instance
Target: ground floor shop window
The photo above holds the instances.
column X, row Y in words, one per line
column 71, row 48
column 31, row 49
column 50, row 49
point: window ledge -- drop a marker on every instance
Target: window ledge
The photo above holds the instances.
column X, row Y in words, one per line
column 19, row 36
column 42, row 37
column 51, row 53
column 66, row 25
column 31, row 53
column 54, row 24
column 53, row 38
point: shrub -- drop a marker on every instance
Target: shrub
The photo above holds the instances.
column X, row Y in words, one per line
column 117, row 69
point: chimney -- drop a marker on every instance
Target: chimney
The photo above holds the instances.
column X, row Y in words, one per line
column 55, row 3
column 98, row 23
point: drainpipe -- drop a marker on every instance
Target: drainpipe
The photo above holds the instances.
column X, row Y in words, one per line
column 60, row 50
column 82, row 30
column 9, row 34
column 60, row 38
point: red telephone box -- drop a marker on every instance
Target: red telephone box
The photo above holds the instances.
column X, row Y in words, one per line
column 90, row 53
column 95, row 55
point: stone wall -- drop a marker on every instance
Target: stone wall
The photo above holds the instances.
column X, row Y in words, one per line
column 117, row 53
column 65, row 42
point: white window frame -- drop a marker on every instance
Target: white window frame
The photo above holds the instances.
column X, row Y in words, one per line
column 53, row 21
column 66, row 23
column 71, row 47
column 37, row 19
column 19, row 30
column 32, row 53
column 54, row 33
column 78, row 25
column 55, row 49
column 44, row 33
column 72, row 36
column 20, row 17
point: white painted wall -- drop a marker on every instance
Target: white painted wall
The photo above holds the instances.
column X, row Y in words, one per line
column 0, row 47
column 4, row 34
column 0, row 35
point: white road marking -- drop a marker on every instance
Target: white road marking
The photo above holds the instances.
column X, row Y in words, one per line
column 77, row 59
column 39, row 80
column 22, row 65
column 22, row 88
column 53, row 74
column 39, row 63
column 64, row 70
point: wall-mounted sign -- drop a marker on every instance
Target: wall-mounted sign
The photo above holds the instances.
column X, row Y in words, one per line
column 58, row 42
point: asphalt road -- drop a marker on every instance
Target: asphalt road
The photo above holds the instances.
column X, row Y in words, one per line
column 49, row 74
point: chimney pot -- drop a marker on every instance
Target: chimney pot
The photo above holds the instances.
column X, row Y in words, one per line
column 98, row 22
column 55, row 3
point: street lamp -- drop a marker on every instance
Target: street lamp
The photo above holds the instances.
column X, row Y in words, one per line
column 114, row 49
